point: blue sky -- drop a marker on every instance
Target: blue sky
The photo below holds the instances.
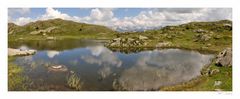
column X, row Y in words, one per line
column 122, row 19
column 82, row 12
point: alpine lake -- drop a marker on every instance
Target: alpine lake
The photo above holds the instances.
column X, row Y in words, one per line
column 68, row 65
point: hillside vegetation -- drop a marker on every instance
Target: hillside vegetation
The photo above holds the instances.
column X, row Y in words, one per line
column 59, row 28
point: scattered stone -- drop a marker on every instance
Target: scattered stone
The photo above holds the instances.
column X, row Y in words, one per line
column 224, row 58
column 51, row 38
column 206, row 72
column 164, row 44
column 214, row 71
column 127, row 42
column 204, row 47
column 48, row 30
column 217, row 83
column 19, row 52
column 200, row 31
column 209, row 44
column 202, row 37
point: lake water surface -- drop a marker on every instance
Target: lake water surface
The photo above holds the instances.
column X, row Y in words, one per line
column 100, row 68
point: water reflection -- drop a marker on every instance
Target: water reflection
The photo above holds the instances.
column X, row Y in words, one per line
column 154, row 69
column 51, row 54
column 101, row 56
column 57, row 45
column 100, row 67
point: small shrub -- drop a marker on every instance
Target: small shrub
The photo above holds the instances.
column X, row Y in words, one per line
column 74, row 82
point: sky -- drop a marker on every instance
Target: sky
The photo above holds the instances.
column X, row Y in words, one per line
column 121, row 19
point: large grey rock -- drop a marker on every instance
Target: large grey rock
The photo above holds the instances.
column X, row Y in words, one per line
column 224, row 58
column 19, row 52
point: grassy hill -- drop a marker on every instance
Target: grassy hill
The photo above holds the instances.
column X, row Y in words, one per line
column 58, row 27
column 213, row 36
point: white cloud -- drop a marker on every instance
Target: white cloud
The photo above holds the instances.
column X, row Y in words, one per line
column 101, row 14
column 18, row 11
column 102, row 56
column 23, row 20
column 155, row 18
column 147, row 19
column 52, row 13
column 162, row 68
column 51, row 54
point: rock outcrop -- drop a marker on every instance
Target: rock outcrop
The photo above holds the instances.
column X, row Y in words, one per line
column 202, row 37
column 19, row 52
column 224, row 58
column 43, row 32
column 128, row 42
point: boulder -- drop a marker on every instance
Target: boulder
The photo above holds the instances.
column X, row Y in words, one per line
column 224, row 58
column 57, row 68
column 19, row 52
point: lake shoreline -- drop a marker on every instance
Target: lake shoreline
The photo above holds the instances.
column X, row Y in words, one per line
column 187, row 84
